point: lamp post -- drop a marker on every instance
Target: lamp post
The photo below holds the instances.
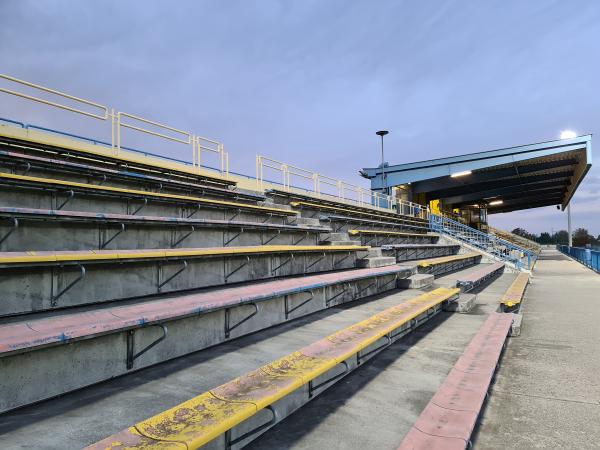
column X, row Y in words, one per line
column 382, row 133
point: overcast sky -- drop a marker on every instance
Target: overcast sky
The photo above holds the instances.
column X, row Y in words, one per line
column 310, row 81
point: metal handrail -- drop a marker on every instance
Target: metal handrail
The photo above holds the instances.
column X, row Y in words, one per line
column 586, row 256
column 375, row 199
column 498, row 247
column 104, row 116
column 197, row 143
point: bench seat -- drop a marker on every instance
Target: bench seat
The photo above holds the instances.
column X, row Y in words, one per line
column 449, row 418
column 202, row 419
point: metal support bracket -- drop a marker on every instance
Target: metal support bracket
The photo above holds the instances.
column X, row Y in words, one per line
column 287, row 261
column 140, row 207
column 269, row 217
column 131, row 357
column 160, row 267
column 237, row 268
column 194, row 212
column 344, row 290
column 69, row 197
column 365, row 289
column 313, row 387
column 105, row 243
column 315, row 262
column 184, row 237
column 289, row 310
column 271, row 238
column 239, row 211
column 304, row 236
column 335, row 264
column 229, row 442
column 54, row 298
column 388, row 342
column 229, row 328
column 15, row 225
column 229, row 241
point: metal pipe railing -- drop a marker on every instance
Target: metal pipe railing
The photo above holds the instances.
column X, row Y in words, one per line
column 196, row 143
column 586, row 256
column 498, row 247
column 343, row 190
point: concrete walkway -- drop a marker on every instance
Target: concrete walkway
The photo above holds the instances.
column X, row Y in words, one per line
column 547, row 391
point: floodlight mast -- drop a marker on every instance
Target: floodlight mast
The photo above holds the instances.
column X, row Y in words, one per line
column 382, row 133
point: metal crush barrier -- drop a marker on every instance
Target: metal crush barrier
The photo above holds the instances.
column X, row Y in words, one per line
column 586, row 256
column 118, row 121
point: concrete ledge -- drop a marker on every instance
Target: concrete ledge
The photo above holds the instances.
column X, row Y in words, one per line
column 416, row 281
column 515, row 329
column 376, row 261
column 464, row 304
column 43, row 358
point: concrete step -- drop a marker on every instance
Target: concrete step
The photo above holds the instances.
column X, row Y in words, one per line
column 46, row 281
column 335, row 243
column 416, row 281
column 411, row 252
column 376, row 261
column 332, row 237
column 76, row 349
column 303, row 221
column 48, row 230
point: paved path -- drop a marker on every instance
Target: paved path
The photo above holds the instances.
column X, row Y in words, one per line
column 547, row 391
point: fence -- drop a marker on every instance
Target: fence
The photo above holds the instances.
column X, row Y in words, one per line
column 499, row 248
column 586, row 256
column 341, row 190
column 120, row 120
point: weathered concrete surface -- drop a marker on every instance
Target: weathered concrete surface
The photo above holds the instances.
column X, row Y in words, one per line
column 547, row 391
column 463, row 305
column 88, row 415
column 416, row 281
column 374, row 407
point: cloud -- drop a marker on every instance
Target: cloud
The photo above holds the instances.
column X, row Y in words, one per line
column 308, row 82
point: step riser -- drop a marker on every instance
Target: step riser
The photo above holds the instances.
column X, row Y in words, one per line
column 30, row 289
column 47, row 372
column 48, row 235
column 420, row 253
column 344, row 227
column 380, row 240
column 441, row 269
column 301, row 396
column 26, row 198
column 59, row 172
column 110, row 163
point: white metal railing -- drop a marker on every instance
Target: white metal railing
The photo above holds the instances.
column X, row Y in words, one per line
column 499, row 248
column 119, row 120
column 342, row 190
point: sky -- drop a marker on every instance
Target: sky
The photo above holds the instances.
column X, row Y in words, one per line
column 308, row 82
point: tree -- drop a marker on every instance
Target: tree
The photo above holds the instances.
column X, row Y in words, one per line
column 545, row 238
column 581, row 238
column 524, row 233
column 561, row 237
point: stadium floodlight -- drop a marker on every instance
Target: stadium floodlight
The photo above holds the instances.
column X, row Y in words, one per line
column 461, row 174
column 496, row 202
column 568, row 134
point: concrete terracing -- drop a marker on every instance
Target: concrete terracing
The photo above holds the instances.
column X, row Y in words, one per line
column 88, row 415
column 547, row 390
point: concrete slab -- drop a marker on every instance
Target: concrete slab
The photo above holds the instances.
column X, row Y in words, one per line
column 421, row 362
column 547, row 393
column 416, row 281
column 463, row 305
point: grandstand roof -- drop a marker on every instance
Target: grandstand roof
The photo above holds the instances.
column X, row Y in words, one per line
column 528, row 176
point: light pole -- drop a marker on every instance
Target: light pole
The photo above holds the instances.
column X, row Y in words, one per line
column 569, row 224
column 382, row 133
